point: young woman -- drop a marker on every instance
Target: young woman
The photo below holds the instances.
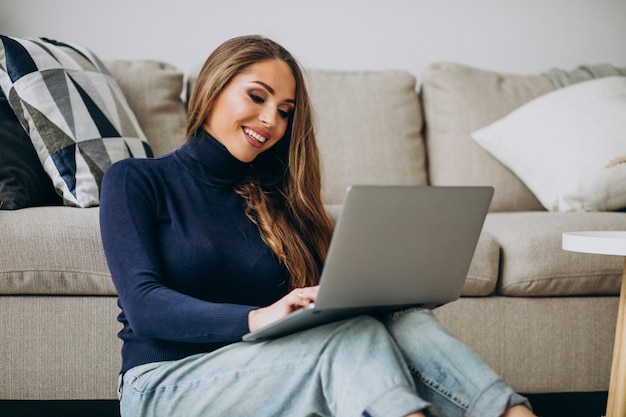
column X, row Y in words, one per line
column 228, row 234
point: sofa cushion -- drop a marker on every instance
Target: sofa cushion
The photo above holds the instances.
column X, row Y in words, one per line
column 482, row 276
column 73, row 111
column 53, row 250
column 368, row 129
column 533, row 262
column 567, row 146
column 23, row 182
column 154, row 92
column 459, row 99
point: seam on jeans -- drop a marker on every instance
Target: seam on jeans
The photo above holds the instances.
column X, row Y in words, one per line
column 440, row 389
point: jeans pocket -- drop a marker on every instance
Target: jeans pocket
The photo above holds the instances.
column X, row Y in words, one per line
column 137, row 378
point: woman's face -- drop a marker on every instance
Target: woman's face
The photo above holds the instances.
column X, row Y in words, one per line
column 251, row 114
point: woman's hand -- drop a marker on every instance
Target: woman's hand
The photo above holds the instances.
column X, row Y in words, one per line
column 296, row 299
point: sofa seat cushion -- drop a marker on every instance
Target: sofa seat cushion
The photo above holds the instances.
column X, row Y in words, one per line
column 53, row 250
column 533, row 262
column 482, row 277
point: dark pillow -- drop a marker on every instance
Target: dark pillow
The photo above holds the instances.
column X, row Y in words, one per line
column 23, row 181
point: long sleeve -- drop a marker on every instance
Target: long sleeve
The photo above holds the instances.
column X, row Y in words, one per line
column 187, row 263
column 154, row 310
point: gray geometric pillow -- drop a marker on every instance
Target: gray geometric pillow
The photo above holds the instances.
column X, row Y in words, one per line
column 73, row 110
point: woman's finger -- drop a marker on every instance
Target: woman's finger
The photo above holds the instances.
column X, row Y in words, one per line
column 309, row 294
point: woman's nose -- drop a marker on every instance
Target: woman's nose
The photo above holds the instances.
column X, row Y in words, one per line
column 268, row 117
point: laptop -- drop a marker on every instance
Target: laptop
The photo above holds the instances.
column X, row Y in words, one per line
column 393, row 247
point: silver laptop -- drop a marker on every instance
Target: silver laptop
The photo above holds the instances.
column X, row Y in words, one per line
column 393, row 247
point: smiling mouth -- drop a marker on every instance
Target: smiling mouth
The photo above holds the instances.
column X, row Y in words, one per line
column 254, row 135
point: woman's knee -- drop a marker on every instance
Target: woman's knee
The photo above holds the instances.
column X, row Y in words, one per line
column 368, row 327
column 418, row 329
column 364, row 322
column 414, row 320
column 360, row 331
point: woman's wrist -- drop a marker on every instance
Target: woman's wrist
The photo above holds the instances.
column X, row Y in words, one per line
column 252, row 319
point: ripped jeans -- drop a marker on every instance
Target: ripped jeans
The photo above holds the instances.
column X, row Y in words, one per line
column 366, row 367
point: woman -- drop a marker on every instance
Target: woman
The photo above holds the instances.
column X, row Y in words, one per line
column 228, row 234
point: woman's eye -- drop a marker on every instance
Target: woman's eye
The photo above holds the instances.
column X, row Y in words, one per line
column 284, row 114
column 255, row 98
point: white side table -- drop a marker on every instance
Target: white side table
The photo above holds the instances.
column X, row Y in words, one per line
column 609, row 243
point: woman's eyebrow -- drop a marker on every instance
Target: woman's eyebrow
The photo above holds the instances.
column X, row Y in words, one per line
column 271, row 91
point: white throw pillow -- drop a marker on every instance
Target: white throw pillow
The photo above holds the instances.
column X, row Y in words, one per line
column 568, row 146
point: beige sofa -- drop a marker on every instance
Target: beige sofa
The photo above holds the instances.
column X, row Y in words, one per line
column 543, row 318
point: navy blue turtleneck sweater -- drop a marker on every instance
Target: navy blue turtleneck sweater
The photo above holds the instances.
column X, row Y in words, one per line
column 187, row 263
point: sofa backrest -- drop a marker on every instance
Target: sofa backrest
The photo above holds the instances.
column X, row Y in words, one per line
column 154, row 93
column 459, row 99
column 369, row 128
column 371, row 124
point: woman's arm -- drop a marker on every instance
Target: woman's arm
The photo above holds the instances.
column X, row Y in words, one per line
column 128, row 219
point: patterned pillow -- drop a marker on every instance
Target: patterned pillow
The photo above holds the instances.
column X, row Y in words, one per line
column 75, row 114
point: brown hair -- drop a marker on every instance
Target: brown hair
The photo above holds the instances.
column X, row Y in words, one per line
column 283, row 191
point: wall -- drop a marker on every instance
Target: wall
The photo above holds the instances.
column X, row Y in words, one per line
column 507, row 35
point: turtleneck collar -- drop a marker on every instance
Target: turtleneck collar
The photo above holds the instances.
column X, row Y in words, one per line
column 210, row 161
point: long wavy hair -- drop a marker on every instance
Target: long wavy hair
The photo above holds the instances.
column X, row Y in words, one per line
column 283, row 190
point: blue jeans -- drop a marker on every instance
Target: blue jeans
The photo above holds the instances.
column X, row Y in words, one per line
column 359, row 367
